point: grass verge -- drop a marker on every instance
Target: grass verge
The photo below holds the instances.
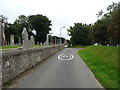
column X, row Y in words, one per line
column 103, row 62
column 79, row 46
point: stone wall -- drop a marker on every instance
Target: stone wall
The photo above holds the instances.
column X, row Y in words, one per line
column 16, row 62
column 0, row 72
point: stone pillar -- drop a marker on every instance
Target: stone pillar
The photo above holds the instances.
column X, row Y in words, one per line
column 19, row 43
column 25, row 38
column 47, row 39
column 12, row 40
column 0, row 33
column 32, row 42
column 3, row 35
column 27, row 43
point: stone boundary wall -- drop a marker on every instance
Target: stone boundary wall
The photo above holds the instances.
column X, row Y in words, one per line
column 0, row 72
column 16, row 62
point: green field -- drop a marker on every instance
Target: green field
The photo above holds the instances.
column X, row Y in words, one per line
column 103, row 62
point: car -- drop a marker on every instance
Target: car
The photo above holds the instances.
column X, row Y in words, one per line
column 66, row 46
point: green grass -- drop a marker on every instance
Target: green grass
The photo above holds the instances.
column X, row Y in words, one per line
column 7, row 47
column 79, row 46
column 103, row 62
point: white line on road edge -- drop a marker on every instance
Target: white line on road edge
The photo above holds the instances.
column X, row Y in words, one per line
column 61, row 57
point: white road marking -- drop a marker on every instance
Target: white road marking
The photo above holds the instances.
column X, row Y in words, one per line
column 65, row 56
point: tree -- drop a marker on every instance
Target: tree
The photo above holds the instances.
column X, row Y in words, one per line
column 106, row 29
column 79, row 34
column 100, row 31
column 42, row 26
column 8, row 30
column 18, row 25
column 100, row 13
column 114, row 28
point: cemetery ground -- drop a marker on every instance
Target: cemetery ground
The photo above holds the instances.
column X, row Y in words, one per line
column 103, row 62
column 11, row 48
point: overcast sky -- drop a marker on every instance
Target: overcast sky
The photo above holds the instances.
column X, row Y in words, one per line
column 60, row 12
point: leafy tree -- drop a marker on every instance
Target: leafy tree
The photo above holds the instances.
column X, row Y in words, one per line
column 18, row 25
column 8, row 31
column 114, row 28
column 106, row 29
column 79, row 34
column 42, row 26
column 100, row 31
column 100, row 13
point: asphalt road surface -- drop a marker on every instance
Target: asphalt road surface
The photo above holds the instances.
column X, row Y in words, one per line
column 65, row 69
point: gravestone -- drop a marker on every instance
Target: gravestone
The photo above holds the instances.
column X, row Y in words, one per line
column 19, row 43
column 32, row 42
column 37, row 43
column 25, row 38
column 2, row 34
column 12, row 40
column 96, row 44
column 108, row 45
column 40, row 43
column 118, row 45
column 26, row 42
column 45, row 43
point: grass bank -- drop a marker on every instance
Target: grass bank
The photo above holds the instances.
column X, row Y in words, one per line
column 79, row 46
column 103, row 62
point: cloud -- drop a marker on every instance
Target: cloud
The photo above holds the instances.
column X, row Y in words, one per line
column 61, row 12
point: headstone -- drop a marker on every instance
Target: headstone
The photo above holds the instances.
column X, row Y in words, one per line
column 47, row 39
column 37, row 43
column 45, row 43
column 32, row 42
column 27, row 43
column 12, row 40
column 108, row 45
column 25, row 38
column 118, row 45
column 19, row 43
column 96, row 44
column 41, row 43
column 2, row 34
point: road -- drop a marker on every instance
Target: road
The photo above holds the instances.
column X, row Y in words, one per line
column 61, row 73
